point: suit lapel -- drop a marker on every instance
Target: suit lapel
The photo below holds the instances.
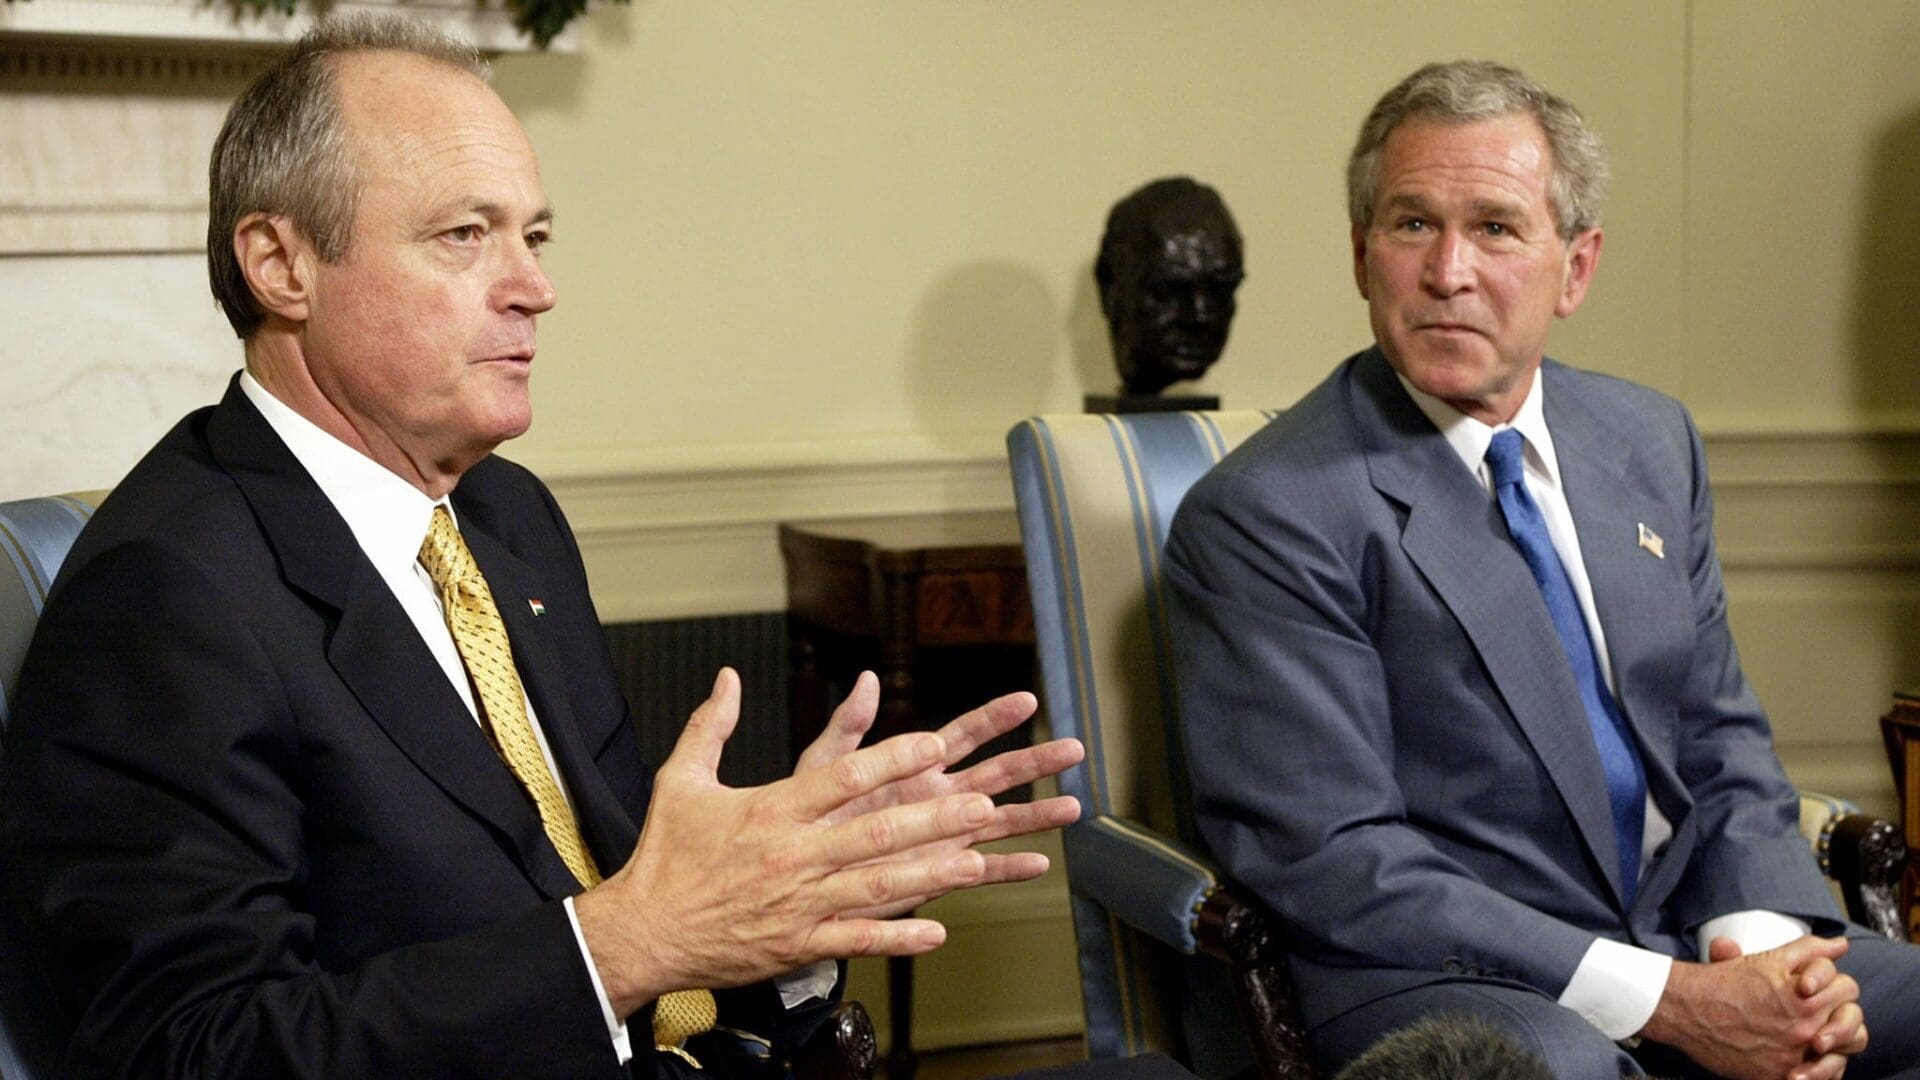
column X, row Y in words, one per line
column 609, row 832
column 1455, row 536
column 1640, row 604
column 373, row 647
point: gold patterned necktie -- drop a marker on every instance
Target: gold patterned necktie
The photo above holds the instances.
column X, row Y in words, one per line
column 481, row 637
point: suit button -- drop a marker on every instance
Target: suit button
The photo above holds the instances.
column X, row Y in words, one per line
column 1451, row 965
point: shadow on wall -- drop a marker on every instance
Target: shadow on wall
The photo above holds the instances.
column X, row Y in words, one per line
column 1087, row 332
column 1886, row 316
column 1886, row 319
column 982, row 354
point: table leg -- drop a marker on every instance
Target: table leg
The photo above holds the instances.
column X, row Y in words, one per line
column 901, row 1060
column 898, row 714
column 1910, row 880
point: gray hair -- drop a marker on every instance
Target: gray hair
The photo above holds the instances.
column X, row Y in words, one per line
column 283, row 148
column 1466, row 91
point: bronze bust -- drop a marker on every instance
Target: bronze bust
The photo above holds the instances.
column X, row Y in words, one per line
column 1169, row 264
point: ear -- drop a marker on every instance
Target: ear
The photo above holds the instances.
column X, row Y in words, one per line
column 277, row 262
column 1583, row 257
column 1360, row 261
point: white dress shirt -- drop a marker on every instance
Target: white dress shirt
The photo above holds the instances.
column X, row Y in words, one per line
column 388, row 518
column 1616, row 986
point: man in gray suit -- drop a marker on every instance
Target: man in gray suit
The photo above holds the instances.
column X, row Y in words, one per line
column 1460, row 699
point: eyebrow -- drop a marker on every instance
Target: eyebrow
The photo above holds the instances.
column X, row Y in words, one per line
column 1405, row 201
column 493, row 211
column 1504, row 208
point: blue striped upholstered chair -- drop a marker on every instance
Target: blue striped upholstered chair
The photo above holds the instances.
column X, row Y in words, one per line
column 1171, row 959
column 1153, row 918
column 34, row 535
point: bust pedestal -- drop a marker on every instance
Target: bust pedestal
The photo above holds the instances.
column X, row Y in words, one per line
column 1144, row 403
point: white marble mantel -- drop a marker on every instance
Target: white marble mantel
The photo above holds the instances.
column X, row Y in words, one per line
column 487, row 25
column 108, row 110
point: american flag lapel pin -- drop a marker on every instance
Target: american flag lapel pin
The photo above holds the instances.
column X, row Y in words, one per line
column 1649, row 540
column 541, row 609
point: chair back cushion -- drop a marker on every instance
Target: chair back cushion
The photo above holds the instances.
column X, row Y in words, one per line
column 1096, row 494
column 35, row 535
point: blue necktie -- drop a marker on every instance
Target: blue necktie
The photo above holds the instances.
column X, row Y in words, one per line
column 1626, row 780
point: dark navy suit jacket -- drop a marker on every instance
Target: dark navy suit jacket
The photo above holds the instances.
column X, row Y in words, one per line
column 256, row 831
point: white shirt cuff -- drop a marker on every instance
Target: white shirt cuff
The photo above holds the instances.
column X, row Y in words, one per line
column 1617, row 987
column 1754, row 931
column 813, row 981
column 616, row 1027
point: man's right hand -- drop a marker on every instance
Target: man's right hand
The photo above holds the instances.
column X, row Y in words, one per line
column 728, row 886
column 1784, row 1013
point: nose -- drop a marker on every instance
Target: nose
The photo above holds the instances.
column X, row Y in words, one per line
column 525, row 286
column 1203, row 304
column 1449, row 264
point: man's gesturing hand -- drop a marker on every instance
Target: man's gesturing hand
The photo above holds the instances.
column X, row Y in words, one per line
column 962, row 736
column 731, row 885
column 1783, row 1013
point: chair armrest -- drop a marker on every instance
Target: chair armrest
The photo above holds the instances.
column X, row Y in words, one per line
column 1238, row 931
column 1150, row 882
column 1173, row 894
column 1864, row 856
column 844, row 1048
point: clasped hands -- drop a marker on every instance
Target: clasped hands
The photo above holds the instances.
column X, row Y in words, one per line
column 1783, row 1013
column 729, row 886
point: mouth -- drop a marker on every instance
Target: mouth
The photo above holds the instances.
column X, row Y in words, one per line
column 1449, row 329
column 1192, row 345
column 517, row 359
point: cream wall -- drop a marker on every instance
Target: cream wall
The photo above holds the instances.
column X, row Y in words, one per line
column 778, row 227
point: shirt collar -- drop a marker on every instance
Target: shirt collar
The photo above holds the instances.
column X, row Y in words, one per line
column 1470, row 438
column 387, row 515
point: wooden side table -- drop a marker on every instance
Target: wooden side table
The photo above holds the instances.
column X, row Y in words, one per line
column 1901, row 727
column 937, row 607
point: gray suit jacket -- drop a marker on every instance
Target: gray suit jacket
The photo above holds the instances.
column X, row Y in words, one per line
column 1385, row 738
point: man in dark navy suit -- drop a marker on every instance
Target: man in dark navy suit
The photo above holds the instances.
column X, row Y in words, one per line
column 273, row 809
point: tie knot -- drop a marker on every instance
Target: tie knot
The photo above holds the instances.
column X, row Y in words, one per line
column 1503, row 457
column 443, row 553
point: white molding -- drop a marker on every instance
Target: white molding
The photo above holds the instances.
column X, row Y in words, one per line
column 1787, row 458
column 665, row 540
column 679, row 533
column 1787, row 501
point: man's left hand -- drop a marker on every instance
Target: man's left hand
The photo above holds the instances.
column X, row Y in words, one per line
column 1845, row 1032
column 966, row 733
